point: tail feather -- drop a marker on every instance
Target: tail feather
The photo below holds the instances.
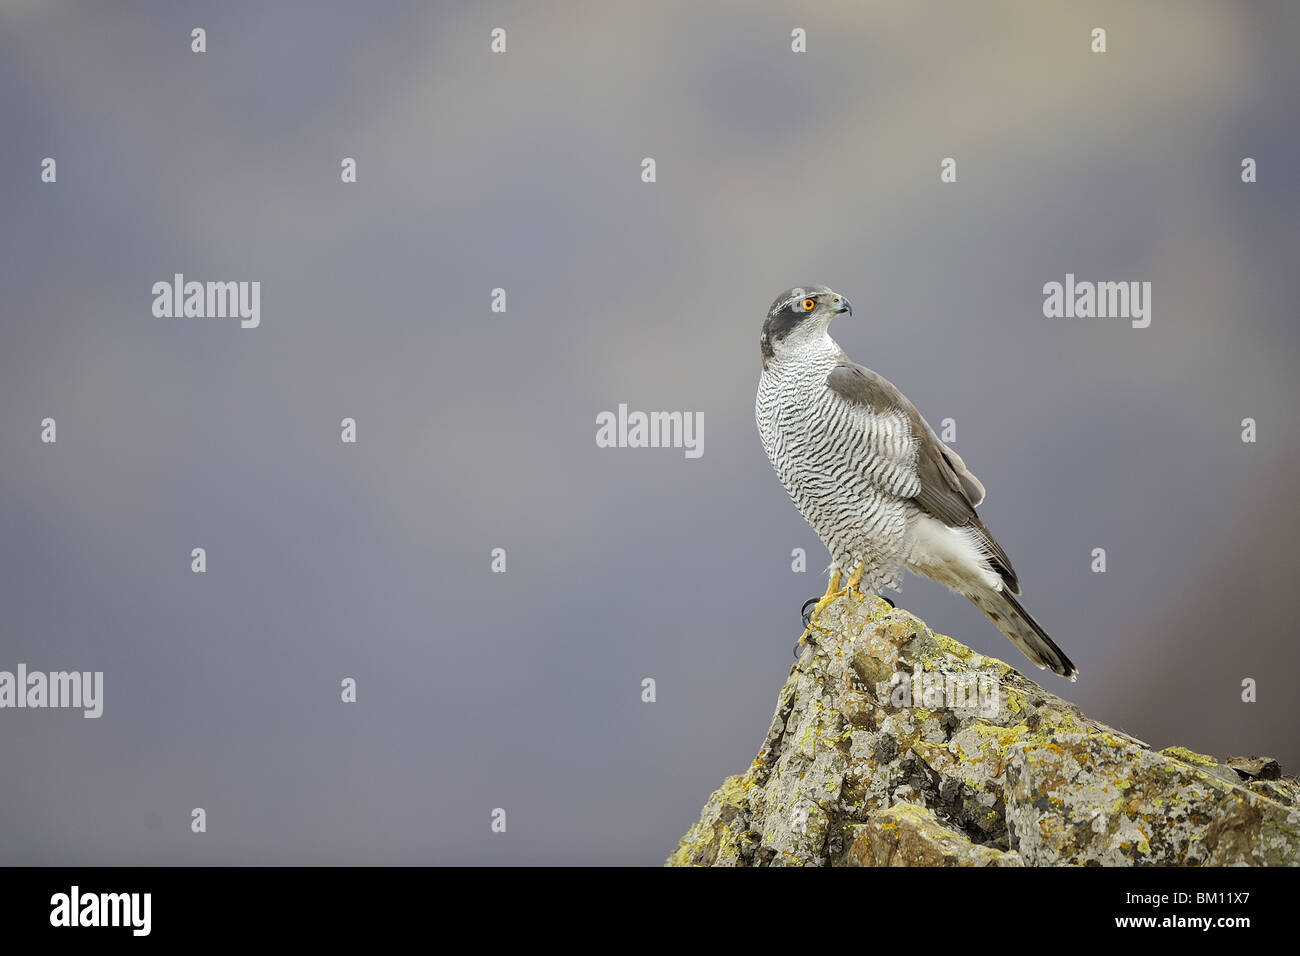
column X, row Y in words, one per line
column 1010, row 617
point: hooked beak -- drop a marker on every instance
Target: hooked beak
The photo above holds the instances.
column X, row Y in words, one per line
column 842, row 304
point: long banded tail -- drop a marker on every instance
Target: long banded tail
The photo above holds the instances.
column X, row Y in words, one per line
column 1010, row 617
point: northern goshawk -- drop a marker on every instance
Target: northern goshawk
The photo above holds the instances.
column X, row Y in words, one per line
column 870, row 476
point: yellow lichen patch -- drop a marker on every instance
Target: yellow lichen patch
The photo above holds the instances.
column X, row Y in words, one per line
column 951, row 647
column 1108, row 738
column 733, row 792
column 1054, row 724
column 879, row 608
column 1189, row 756
column 1005, row 736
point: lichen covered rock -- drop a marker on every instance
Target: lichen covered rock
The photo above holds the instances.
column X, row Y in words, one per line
column 910, row 835
column 892, row 745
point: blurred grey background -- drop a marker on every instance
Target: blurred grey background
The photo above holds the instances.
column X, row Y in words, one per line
column 477, row 430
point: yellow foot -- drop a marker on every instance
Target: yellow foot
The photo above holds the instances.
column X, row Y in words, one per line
column 832, row 592
column 856, row 578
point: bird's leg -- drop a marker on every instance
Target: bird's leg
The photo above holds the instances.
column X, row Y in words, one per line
column 832, row 592
column 856, row 578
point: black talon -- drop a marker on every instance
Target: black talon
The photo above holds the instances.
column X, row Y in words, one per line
column 797, row 650
column 806, row 614
column 886, row 600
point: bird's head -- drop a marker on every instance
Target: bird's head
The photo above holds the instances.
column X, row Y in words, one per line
column 798, row 320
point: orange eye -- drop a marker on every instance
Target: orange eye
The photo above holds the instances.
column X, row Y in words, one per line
column 809, row 305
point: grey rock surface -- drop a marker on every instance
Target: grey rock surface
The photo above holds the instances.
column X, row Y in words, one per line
column 895, row 746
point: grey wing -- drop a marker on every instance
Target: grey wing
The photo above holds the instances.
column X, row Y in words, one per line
column 943, row 487
column 969, row 483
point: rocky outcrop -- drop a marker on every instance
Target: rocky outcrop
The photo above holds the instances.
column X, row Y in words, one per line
column 892, row 745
